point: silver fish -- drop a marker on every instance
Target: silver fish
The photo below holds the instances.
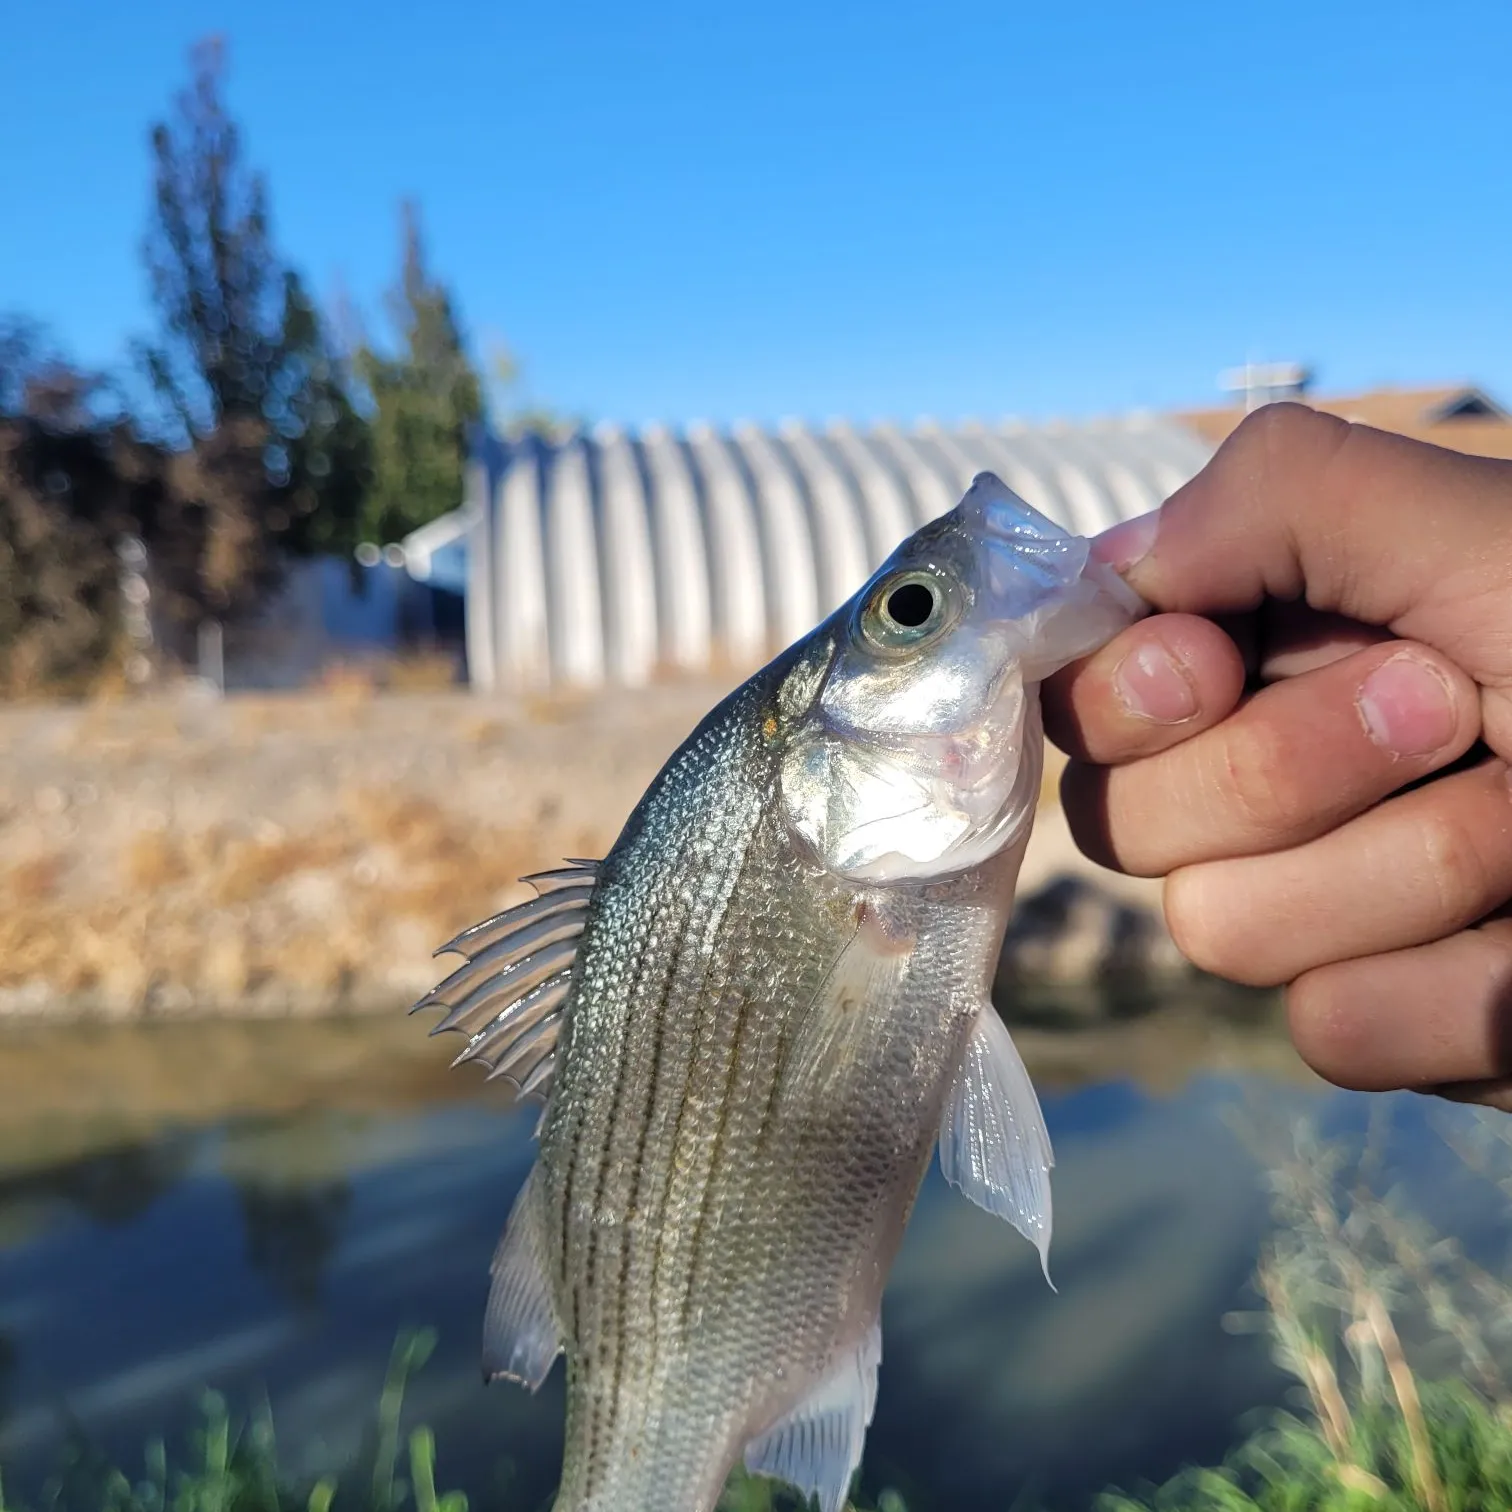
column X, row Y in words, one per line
column 752, row 1022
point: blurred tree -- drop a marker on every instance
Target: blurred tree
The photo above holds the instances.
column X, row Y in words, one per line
column 67, row 491
column 36, row 380
column 59, row 492
column 77, row 483
column 423, row 399
column 249, row 384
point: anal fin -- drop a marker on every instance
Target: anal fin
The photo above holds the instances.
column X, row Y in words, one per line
column 520, row 1334
column 817, row 1446
column 994, row 1146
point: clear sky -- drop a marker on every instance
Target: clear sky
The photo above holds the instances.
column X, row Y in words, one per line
column 805, row 208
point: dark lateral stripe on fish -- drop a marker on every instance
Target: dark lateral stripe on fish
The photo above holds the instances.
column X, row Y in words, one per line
column 690, row 949
column 704, row 1028
column 577, row 1133
column 725, row 1103
column 657, row 982
column 658, row 1040
column 721, row 1130
column 652, row 956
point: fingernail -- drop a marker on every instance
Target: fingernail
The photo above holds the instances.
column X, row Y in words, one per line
column 1152, row 685
column 1407, row 707
column 1124, row 545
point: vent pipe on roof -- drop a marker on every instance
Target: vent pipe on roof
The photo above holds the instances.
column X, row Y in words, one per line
column 1266, row 382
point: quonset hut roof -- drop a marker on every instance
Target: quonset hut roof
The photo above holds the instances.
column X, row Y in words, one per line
column 616, row 556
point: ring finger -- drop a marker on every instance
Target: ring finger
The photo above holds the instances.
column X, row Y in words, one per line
column 1434, row 1016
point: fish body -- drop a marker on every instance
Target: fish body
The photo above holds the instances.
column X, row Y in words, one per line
column 756, row 1018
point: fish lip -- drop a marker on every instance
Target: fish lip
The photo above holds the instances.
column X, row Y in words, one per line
column 1001, row 511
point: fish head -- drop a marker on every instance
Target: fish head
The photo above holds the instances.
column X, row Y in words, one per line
column 918, row 753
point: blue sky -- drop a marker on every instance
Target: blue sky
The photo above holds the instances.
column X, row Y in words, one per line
column 679, row 211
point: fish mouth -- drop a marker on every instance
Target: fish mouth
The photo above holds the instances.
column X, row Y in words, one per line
column 1030, row 569
column 1028, row 560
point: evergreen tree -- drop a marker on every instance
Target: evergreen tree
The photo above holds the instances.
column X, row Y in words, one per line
column 245, row 372
column 423, row 400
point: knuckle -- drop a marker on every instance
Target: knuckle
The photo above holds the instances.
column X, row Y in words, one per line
column 1256, row 778
column 1456, row 866
column 1284, row 429
column 1208, row 931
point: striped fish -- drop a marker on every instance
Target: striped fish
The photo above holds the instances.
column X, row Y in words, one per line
column 755, row 1019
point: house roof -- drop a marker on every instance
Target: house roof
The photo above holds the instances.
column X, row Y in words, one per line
column 1461, row 416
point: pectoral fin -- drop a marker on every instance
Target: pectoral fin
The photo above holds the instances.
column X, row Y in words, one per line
column 520, row 1334
column 817, row 1446
column 994, row 1146
column 835, row 1026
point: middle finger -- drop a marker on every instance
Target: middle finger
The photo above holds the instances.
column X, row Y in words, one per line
column 1294, row 761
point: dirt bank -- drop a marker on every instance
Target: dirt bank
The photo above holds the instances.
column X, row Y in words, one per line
column 305, row 854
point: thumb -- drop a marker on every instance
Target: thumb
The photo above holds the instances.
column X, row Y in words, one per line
column 1358, row 522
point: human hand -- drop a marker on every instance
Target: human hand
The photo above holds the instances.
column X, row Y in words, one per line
column 1275, row 774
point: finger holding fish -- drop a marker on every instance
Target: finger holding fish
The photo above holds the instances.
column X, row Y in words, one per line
column 1296, row 759
column 1418, row 868
column 1432, row 1017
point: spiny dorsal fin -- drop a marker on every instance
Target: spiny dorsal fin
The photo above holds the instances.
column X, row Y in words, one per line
column 508, row 996
column 994, row 1146
column 817, row 1446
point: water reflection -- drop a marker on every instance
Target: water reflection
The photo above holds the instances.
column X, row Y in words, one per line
column 289, row 1250
column 292, row 1232
column 7, row 1369
column 112, row 1187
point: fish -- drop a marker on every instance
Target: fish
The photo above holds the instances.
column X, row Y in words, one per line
column 754, row 1020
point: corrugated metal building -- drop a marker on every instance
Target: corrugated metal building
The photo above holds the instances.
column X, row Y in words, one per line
column 617, row 556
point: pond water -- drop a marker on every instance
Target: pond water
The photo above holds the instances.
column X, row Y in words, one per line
column 156, row 1238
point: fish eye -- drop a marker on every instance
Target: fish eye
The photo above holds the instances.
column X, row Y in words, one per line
column 906, row 610
column 910, row 604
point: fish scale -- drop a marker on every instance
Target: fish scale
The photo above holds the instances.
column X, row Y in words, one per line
column 777, row 1006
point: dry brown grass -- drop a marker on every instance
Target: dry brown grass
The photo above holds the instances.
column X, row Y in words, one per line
column 555, row 706
column 422, row 672
column 242, row 869
column 286, row 852
column 35, row 879
column 215, row 915
column 412, row 672
column 154, row 860
column 347, row 684
column 125, row 730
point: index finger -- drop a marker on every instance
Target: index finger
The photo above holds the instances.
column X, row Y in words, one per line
column 1160, row 682
column 1375, row 527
